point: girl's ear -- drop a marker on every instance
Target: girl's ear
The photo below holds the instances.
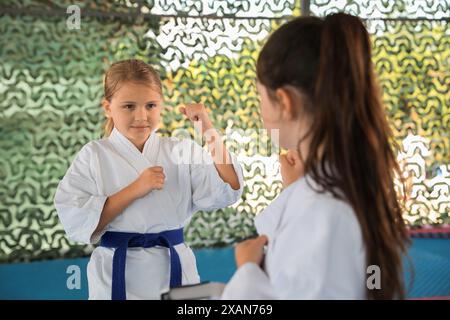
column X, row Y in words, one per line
column 285, row 98
column 107, row 107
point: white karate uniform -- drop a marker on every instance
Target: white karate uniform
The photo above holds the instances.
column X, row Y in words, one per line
column 315, row 250
column 104, row 167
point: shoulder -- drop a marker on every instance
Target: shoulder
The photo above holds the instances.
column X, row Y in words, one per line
column 183, row 150
column 173, row 142
column 307, row 202
column 92, row 149
column 176, row 145
column 170, row 142
column 319, row 219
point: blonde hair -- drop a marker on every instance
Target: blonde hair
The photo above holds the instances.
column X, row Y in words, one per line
column 131, row 70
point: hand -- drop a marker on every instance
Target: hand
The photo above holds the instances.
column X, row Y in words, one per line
column 150, row 179
column 291, row 167
column 250, row 251
column 197, row 112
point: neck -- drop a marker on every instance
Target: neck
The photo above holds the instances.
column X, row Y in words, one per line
column 139, row 144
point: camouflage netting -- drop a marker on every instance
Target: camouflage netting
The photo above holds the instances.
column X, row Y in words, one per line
column 51, row 87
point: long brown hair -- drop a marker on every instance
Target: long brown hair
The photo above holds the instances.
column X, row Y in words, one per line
column 131, row 70
column 329, row 61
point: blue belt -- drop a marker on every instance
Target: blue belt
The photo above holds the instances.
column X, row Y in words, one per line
column 121, row 241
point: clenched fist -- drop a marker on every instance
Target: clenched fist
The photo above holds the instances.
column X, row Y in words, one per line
column 150, row 179
column 250, row 251
column 197, row 112
column 291, row 167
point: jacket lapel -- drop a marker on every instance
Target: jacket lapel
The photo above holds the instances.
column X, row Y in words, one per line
column 151, row 149
column 130, row 153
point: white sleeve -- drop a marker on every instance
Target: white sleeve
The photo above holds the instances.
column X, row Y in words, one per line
column 77, row 201
column 249, row 282
column 209, row 191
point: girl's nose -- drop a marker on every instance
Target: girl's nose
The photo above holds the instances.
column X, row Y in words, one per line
column 141, row 114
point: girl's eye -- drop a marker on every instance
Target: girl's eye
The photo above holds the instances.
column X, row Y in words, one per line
column 128, row 106
column 151, row 105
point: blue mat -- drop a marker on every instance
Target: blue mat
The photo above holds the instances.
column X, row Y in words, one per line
column 431, row 260
column 48, row 279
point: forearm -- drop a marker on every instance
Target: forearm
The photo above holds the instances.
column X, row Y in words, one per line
column 222, row 159
column 115, row 205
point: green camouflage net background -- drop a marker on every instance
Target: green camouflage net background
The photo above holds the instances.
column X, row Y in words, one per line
column 51, row 88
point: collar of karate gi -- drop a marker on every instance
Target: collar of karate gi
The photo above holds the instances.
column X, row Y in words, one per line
column 268, row 221
column 139, row 161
